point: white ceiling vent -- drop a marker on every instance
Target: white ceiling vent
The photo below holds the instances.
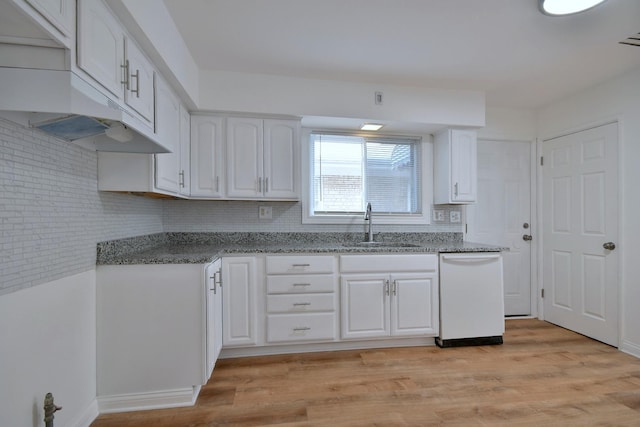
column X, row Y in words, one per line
column 634, row 40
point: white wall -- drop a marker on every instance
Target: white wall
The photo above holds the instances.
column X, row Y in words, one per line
column 268, row 94
column 48, row 344
column 509, row 124
column 618, row 98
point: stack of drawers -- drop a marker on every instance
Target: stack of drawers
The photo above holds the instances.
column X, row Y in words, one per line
column 301, row 298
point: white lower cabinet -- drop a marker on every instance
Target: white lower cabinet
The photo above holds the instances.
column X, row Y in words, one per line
column 378, row 302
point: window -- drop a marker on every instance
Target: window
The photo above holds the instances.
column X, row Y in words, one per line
column 347, row 171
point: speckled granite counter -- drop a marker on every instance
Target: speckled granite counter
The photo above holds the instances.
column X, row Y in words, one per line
column 199, row 248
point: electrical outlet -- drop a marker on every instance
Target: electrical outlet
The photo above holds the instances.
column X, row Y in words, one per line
column 265, row 212
column 438, row 215
column 454, row 216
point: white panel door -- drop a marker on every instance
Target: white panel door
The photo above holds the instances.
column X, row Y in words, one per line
column 414, row 304
column 101, row 45
column 280, row 158
column 244, row 157
column 463, row 165
column 206, row 156
column 501, row 212
column 580, row 216
column 168, row 130
column 364, row 306
column 239, row 301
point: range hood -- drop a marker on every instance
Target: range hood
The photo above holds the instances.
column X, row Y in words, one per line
column 62, row 104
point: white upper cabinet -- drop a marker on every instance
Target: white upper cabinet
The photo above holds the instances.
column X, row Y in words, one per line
column 262, row 158
column 101, row 45
column 112, row 58
column 60, row 13
column 167, row 165
column 207, row 178
column 455, row 168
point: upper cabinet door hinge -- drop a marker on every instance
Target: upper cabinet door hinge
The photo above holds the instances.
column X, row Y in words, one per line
column 541, row 161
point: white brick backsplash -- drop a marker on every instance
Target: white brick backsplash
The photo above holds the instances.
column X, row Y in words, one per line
column 184, row 215
column 51, row 214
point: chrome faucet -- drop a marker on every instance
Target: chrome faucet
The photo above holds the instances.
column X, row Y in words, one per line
column 369, row 217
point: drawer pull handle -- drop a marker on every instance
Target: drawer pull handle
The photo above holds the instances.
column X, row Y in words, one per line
column 302, row 284
column 301, row 329
column 298, row 304
column 300, row 265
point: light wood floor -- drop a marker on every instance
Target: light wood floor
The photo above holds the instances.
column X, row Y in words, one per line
column 542, row 375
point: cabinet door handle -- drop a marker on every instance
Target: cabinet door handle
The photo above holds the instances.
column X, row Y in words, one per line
column 136, row 76
column 181, row 174
column 300, row 265
column 395, row 288
column 301, row 329
column 301, row 304
column 386, row 287
column 455, row 189
column 260, row 185
column 302, row 284
column 266, row 185
column 125, row 68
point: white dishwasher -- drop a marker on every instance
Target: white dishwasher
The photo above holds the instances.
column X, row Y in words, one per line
column 471, row 299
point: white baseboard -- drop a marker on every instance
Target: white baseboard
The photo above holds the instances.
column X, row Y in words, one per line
column 152, row 400
column 269, row 350
column 630, row 348
column 88, row 416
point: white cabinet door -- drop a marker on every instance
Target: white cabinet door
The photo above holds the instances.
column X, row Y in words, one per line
column 101, row 45
column 414, row 302
column 206, row 156
column 184, row 176
column 365, row 306
column 280, row 159
column 455, row 167
column 59, row 13
column 239, row 299
column 214, row 313
column 463, row 165
column 167, row 170
column 244, row 157
column 139, row 93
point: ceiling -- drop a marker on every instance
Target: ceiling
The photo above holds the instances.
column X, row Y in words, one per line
column 507, row 48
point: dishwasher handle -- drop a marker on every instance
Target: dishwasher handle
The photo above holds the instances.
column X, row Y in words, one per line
column 470, row 258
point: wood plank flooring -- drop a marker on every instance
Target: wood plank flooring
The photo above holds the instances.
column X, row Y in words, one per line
column 542, row 375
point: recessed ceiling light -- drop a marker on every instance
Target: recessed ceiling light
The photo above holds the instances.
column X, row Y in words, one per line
column 566, row 7
column 371, row 126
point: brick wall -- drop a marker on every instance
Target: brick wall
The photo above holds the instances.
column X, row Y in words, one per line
column 51, row 214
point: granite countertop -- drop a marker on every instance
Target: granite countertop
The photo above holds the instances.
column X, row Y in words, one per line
column 200, row 248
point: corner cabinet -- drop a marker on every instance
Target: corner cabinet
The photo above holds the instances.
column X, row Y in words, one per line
column 455, row 167
column 389, row 296
column 262, row 158
column 207, row 175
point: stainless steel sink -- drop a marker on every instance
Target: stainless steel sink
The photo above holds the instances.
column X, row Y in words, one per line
column 382, row 245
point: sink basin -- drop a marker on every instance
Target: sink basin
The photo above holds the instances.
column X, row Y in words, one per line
column 383, row 245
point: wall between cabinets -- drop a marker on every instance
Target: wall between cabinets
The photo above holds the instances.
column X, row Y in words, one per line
column 51, row 214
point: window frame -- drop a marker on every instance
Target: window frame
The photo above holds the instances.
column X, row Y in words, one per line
column 426, row 158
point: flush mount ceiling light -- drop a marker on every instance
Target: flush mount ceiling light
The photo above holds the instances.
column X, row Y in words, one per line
column 371, row 126
column 566, row 7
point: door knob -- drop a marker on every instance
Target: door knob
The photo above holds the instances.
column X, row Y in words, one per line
column 527, row 237
column 609, row 246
